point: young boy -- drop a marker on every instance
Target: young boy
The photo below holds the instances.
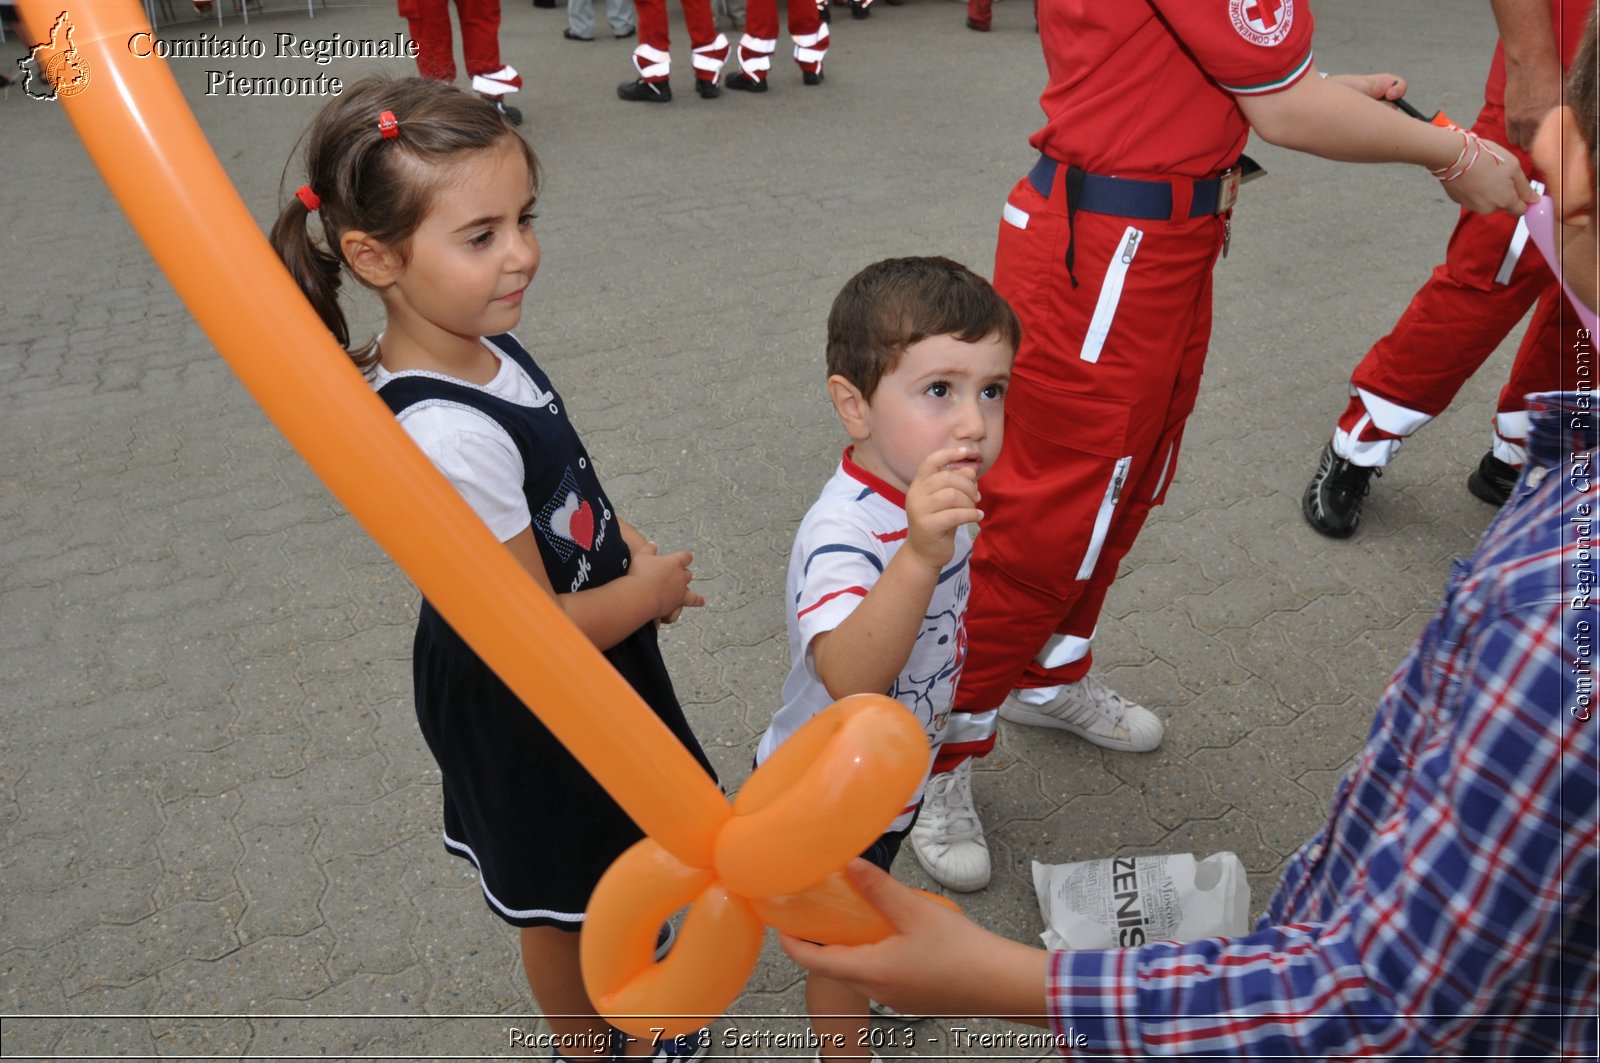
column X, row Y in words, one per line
column 919, row 358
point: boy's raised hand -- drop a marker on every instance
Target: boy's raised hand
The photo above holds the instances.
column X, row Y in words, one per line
column 943, row 496
column 668, row 577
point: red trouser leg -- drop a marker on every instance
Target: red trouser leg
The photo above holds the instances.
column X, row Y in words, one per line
column 1546, row 361
column 429, row 21
column 761, row 18
column 980, row 13
column 1100, row 392
column 651, row 56
column 480, row 35
column 760, row 38
column 710, row 46
column 1454, row 322
column 810, row 35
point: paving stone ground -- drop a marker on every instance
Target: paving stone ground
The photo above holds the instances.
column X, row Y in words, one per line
column 218, row 823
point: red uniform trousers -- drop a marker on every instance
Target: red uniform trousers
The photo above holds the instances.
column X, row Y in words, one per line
column 1101, row 389
column 430, row 28
column 981, row 13
column 760, row 40
column 651, row 57
column 1454, row 322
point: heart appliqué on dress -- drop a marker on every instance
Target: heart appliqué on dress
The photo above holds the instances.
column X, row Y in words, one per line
column 575, row 521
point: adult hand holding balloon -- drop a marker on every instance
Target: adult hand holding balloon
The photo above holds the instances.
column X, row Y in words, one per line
column 737, row 868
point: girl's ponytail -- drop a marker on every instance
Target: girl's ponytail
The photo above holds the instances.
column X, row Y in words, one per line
column 316, row 270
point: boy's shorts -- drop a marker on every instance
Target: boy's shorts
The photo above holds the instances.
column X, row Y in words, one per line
column 883, row 851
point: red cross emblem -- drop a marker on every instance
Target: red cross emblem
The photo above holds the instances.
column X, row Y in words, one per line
column 1262, row 22
column 1263, row 14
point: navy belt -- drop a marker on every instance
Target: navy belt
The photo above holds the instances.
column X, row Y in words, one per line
column 1125, row 197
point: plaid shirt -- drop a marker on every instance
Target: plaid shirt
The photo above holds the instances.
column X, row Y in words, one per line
column 1448, row 906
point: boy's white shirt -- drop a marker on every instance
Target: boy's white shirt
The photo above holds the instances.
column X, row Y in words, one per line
column 841, row 549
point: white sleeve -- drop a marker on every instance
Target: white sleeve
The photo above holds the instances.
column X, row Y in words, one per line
column 840, row 563
column 478, row 458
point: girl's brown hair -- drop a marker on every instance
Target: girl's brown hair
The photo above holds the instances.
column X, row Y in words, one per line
column 382, row 187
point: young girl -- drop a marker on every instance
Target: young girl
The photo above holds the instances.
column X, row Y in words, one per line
column 426, row 195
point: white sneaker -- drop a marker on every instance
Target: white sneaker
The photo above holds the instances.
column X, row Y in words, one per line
column 1092, row 710
column 947, row 837
column 889, row 1013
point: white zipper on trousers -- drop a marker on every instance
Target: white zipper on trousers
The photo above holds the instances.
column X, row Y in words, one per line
column 1110, row 294
column 1102, row 520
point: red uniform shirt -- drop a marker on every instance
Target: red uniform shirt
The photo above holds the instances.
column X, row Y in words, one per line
column 1568, row 18
column 1146, row 87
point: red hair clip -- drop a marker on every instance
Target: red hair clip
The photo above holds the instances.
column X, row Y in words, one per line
column 309, row 198
column 388, row 126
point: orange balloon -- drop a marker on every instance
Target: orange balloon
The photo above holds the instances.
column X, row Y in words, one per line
column 798, row 822
column 709, row 963
column 827, row 792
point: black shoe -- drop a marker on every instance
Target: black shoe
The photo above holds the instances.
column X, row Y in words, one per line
column 1332, row 502
column 625, row 34
column 1493, row 480
column 512, row 114
column 643, row 91
column 708, row 90
column 811, row 77
column 745, row 83
column 569, row 35
column 858, row 9
column 544, row 3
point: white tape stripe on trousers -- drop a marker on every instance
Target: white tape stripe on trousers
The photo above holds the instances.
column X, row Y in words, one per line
column 710, row 57
column 651, row 62
column 812, row 47
column 1519, row 240
column 755, row 55
column 970, row 726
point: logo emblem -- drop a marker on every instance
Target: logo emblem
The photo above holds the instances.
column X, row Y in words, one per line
column 56, row 69
column 1262, row 22
column 567, row 520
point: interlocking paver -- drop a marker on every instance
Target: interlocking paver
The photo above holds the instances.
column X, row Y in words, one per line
column 214, row 800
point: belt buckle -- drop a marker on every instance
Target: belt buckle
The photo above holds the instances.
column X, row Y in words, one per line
column 1227, row 190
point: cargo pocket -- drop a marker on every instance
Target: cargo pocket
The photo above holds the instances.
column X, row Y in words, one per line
column 1069, row 453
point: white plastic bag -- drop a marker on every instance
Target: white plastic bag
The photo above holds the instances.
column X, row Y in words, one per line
column 1126, row 901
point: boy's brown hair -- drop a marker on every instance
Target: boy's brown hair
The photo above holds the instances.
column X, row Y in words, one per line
column 896, row 302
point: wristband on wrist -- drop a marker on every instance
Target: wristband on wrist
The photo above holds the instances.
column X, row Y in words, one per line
column 1471, row 149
